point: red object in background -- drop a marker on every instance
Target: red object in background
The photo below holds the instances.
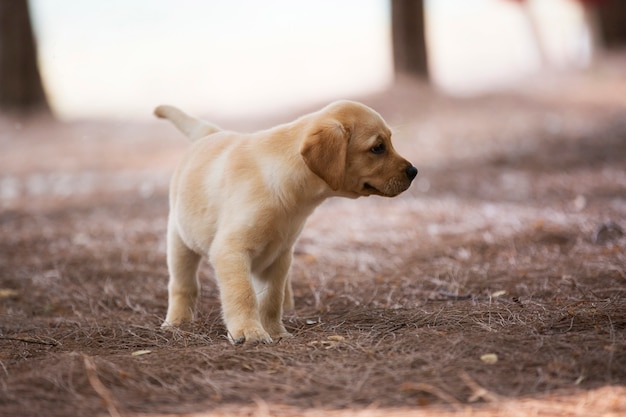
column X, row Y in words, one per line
column 582, row 1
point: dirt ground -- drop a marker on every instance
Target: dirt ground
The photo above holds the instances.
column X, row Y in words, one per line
column 495, row 286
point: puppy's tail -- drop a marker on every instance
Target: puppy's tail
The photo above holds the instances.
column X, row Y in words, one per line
column 192, row 127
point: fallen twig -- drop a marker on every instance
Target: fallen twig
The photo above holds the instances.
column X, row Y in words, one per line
column 447, row 296
column 433, row 390
column 98, row 386
column 479, row 392
column 30, row 340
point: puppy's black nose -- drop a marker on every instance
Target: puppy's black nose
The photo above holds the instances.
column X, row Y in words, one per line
column 411, row 172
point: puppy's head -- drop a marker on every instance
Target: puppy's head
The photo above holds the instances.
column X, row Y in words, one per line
column 348, row 145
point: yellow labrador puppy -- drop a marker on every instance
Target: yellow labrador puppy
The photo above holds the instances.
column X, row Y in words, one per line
column 242, row 200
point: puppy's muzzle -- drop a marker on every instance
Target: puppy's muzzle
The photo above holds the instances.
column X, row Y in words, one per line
column 395, row 185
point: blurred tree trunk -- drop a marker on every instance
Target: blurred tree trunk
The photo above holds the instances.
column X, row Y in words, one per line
column 611, row 16
column 408, row 31
column 21, row 88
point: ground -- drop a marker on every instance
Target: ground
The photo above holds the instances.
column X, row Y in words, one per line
column 495, row 285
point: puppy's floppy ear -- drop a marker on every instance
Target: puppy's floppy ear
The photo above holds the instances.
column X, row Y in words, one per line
column 324, row 151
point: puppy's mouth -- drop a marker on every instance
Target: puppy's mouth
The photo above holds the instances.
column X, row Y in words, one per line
column 370, row 189
column 391, row 188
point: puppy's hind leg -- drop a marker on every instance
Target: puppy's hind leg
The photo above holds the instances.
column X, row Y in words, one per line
column 273, row 299
column 288, row 303
column 184, row 285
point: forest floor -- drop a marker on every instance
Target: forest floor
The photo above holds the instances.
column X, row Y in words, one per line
column 495, row 285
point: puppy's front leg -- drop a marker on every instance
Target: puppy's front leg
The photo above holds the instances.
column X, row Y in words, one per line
column 272, row 300
column 239, row 303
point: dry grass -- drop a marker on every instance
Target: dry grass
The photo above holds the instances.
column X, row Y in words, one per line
column 509, row 244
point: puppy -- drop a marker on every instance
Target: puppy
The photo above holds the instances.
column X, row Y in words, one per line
column 242, row 200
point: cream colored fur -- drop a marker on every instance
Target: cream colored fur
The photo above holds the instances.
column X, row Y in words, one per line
column 242, row 200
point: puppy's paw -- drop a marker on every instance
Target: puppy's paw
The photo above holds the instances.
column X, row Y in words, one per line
column 176, row 321
column 277, row 331
column 166, row 325
column 177, row 315
column 282, row 335
column 249, row 335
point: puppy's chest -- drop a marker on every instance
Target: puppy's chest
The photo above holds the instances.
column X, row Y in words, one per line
column 276, row 243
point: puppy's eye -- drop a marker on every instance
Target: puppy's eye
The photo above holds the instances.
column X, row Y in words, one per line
column 378, row 149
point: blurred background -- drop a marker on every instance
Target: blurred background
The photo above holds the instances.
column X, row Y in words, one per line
column 510, row 240
column 118, row 59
